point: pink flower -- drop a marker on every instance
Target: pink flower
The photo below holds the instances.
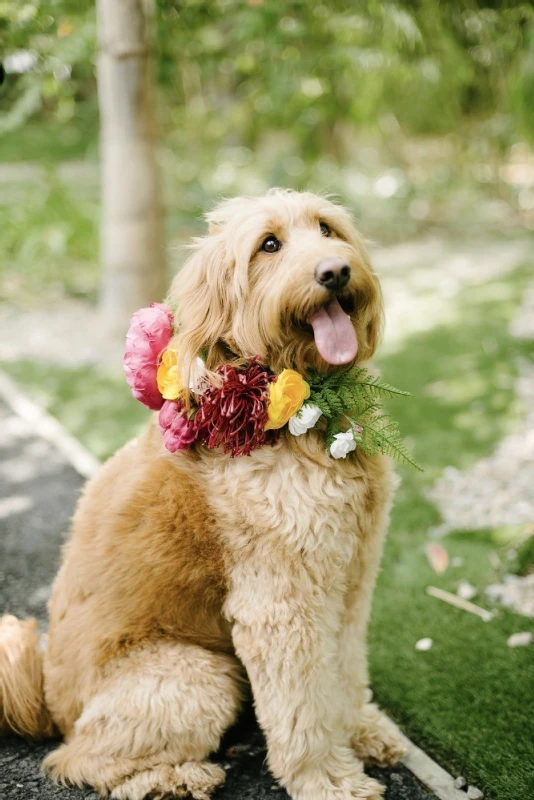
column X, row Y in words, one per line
column 149, row 334
column 179, row 432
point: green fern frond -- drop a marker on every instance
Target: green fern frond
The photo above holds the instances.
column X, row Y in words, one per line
column 319, row 401
column 381, row 434
column 355, row 396
column 375, row 385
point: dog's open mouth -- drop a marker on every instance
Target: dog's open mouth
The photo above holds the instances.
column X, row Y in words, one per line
column 334, row 333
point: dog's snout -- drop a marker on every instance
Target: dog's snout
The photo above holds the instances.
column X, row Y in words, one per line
column 332, row 273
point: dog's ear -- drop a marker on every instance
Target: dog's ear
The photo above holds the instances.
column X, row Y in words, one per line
column 370, row 302
column 370, row 317
column 201, row 293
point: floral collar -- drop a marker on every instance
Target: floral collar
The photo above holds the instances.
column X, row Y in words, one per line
column 251, row 404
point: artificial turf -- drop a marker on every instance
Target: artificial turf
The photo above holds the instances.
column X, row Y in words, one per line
column 469, row 701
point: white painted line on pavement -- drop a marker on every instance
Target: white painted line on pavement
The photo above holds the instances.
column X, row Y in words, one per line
column 47, row 427
column 431, row 774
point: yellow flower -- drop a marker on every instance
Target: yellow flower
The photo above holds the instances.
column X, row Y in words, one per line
column 169, row 378
column 286, row 396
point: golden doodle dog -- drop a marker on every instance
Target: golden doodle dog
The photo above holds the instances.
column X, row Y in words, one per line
column 191, row 579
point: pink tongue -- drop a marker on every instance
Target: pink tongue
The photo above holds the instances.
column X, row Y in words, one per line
column 334, row 335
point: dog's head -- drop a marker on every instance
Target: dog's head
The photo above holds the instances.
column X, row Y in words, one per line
column 286, row 277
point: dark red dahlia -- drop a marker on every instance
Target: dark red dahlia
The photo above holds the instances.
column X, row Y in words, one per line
column 233, row 415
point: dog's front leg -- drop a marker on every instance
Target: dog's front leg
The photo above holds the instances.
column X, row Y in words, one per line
column 373, row 736
column 286, row 631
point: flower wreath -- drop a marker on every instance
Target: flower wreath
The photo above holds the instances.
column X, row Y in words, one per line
column 250, row 404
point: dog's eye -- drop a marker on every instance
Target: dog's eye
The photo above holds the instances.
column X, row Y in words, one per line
column 271, row 244
column 325, row 229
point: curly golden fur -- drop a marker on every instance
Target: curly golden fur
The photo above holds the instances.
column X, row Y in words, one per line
column 191, row 579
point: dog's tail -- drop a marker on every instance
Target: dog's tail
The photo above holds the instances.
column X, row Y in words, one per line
column 22, row 703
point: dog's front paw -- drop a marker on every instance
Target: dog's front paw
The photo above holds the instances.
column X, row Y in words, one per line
column 312, row 787
column 377, row 739
column 360, row 788
column 340, row 777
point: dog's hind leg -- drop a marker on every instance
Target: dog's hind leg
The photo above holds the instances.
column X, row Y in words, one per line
column 158, row 714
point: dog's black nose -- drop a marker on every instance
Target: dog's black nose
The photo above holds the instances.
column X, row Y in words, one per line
column 332, row 273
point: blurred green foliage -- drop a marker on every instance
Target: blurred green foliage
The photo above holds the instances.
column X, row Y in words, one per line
column 415, row 113
column 47, row 48
column 48, row 232
column 232, row 69
column 239, row 69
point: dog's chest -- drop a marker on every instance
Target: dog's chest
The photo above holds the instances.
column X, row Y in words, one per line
column 276, row 500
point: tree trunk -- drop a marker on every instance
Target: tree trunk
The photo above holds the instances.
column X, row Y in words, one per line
column 132, row 245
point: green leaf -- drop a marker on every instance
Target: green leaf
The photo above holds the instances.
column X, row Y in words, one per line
column 381, row 435
column 355, row 396
column 375, row 385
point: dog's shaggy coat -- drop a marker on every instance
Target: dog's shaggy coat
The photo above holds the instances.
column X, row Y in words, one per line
column 189, row 577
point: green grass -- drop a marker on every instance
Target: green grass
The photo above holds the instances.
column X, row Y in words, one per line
column 48, row 237
column 51, row 142
column 468, row 701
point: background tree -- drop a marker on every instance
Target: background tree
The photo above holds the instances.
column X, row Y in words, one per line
column 132, row 246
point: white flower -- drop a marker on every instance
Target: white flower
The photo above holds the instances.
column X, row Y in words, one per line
column 198, row 371
column 305, row 418
column 343, row 444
